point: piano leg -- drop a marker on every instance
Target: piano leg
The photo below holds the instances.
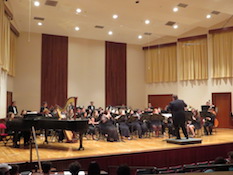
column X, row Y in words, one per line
column 46, row 136
column 81, row 141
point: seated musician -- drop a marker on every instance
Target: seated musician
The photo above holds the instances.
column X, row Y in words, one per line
column 156, row 124
column 93, row 124
column 47, row 113
column 43, row 107
column 143, row 123
column 195, row 123
column 123, row 126
column 134, row 123
column 108, row 128
column 70, row 114
column 209, row 122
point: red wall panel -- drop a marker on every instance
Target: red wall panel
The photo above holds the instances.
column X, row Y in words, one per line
column 54, row 69
column 115, row 74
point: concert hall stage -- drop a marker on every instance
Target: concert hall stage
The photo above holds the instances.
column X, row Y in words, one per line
column 137, row 152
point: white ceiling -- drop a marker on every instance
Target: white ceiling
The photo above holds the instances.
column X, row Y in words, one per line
column 62, row 19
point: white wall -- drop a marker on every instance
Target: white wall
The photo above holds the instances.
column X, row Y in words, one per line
column 28, row 72
column 135, row 77
column 86, row 72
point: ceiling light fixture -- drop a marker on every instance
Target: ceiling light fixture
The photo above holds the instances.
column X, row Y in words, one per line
column 77, row 28
column 147, row 21
column 78, row 10
column 208, row 16
column 139, row 36
column 115, row 16
column 110, row 33
column 36, row 3
column 175, row 26
column 39, row 23
column 175, row 9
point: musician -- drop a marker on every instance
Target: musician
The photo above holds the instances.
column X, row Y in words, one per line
column 135, row 125
column 150, row 106
column 195, row 122
column 209, row 122
column 107, row 127
column 13, row 108
column 123, row 127
column 156, row 124
column 93, row 124
column 43, row 107
column 177, row 108
column 91, row 106
column 143, row 123
column 70, row 114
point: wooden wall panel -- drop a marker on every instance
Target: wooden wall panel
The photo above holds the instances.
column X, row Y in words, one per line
column 115, row 74
column 160, row 100
column 54, row 69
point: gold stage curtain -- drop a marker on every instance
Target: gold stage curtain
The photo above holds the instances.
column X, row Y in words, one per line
column 161, row 64
column 193, row 59
column 222, row 54
column 5, row 40
column 13, row 38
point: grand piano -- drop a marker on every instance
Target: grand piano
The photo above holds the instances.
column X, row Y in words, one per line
column 40, row 122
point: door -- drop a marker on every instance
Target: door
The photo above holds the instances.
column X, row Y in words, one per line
column 9, row 97
column 160, row 100
column 222, row 102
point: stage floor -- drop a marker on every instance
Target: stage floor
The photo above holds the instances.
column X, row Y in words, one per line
column 55, row 151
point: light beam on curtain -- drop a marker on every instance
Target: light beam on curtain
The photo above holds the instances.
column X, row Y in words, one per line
column 13, row 38
column 3, row 92
column 5, row 43
column 4, row 57
column 161, row 64
column 193, row 59
column 222, row 54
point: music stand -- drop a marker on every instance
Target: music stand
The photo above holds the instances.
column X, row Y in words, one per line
column 188, row 115
column 205, row 114
column 205, row 108
column 132, row 118
column 158, row 117
column 145, row 116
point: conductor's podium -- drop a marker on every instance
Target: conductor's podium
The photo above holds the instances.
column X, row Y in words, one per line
column 184, row 141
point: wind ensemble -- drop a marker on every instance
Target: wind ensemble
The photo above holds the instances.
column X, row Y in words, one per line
column 119, row 122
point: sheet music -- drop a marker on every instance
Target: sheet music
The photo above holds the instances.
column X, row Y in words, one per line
column 167, row 115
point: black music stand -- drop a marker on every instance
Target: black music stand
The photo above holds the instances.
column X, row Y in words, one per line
column 145, row 116
column 158, row 117
column 188, row 115
column 132, row 118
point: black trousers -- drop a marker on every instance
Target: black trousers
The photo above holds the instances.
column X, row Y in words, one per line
column 177, row 130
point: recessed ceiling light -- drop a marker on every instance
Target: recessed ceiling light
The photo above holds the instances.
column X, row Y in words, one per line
column 208, row 16
column 36, row 3
column 78, row 10
column 110, row 32
column 115, row 16
column 147, row 21
column 175, row 26
column 76, row 28
column 175, row 9
column 139, row 36
column 39, row 23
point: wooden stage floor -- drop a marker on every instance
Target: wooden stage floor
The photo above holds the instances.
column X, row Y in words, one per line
column 55, row 151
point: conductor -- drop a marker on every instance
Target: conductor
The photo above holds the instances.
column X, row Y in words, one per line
column 178, row 115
